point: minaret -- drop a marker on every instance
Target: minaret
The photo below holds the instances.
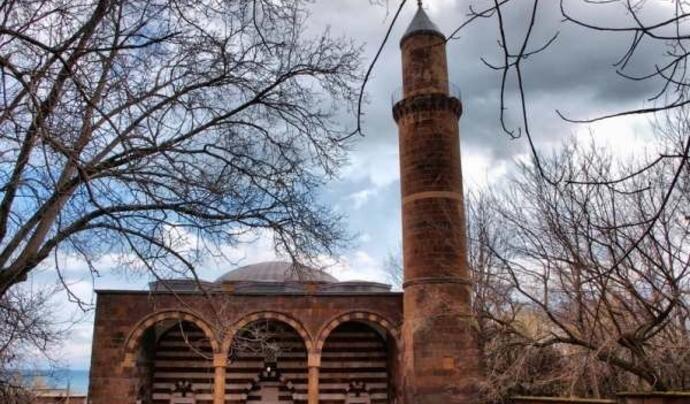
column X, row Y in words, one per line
column 440, row 352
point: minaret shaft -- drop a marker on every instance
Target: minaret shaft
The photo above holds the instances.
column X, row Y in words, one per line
column 440, row 356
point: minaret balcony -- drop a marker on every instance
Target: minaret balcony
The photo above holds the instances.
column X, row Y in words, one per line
column 399, row 93
column 427, row 102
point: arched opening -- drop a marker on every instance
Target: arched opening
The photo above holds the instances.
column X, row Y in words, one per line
column 174, row 364
column 267, row 363
column 357, row 361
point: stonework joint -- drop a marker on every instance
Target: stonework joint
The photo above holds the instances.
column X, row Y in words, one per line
column 437, row 280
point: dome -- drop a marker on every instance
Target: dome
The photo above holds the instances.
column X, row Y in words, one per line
column 276, row 271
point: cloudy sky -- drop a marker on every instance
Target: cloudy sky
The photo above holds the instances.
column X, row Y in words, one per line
column 575, row 75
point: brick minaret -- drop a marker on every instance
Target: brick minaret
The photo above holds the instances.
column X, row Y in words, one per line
column 440, row 357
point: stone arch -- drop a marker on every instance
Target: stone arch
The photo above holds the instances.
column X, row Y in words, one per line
column 266, row 315
column 357, row 354
column 133, row 339
column 242, row 363
column 359, row 316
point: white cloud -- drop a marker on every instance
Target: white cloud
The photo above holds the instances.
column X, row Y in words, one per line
column 77, row 351
column 358, row 265
column 630, row 136
column 436, row 7
column 480, row 169
column 378, row 164
column 252, row 247
column 360, row 198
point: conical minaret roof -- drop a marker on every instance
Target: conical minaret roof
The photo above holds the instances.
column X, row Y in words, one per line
column 421, row 24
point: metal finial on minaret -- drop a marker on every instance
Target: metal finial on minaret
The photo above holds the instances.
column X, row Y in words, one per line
column 421, row 24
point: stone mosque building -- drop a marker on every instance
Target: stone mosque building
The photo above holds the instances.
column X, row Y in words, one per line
column 302, row 336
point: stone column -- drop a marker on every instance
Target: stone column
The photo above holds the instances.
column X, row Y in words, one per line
column 314, row 363
column 220, row 362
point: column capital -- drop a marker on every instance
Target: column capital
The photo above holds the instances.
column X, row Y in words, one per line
column 220, row 360
column 314, row 359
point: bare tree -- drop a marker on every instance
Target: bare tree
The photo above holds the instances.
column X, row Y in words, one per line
column 393, row 267
column 554, row 318
column 29, row 330
column 565, row 254
column 159, row 130
column 507, row 325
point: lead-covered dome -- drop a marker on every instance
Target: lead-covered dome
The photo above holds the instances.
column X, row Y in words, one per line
column 421, row 24
column 276, row 271
column 270, row 278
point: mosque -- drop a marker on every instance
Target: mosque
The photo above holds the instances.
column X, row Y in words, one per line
column 275, row 333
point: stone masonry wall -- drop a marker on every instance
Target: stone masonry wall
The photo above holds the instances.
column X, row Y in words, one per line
column 118, row 313
column 623, row 398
